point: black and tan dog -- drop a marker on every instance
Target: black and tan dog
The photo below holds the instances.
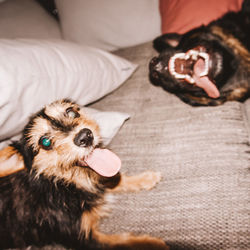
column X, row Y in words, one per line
column 58, row 191
column 207, row 65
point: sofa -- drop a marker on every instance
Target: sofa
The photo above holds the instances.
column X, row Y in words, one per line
column 202, row 153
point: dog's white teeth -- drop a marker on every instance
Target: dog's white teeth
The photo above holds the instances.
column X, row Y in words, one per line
column 219, row 64
column 190, row 79
column 194, row 55
column 172, row 65
column 205, row 57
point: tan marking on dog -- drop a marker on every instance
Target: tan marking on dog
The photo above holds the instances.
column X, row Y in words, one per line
column 61, row 149
column 57, row 109
column 48, row 165
column 90, row 219
column 146, row 180
column 10, row 161
column 89, row 222
column 204, row 100
column 232, row 43
column 91, row 124
column 41, row 127
column 60, row 163
column 237, row 94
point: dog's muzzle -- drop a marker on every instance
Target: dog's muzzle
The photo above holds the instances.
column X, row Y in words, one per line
column 84, row 138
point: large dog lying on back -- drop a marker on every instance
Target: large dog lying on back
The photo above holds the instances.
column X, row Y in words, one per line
column 207, row 65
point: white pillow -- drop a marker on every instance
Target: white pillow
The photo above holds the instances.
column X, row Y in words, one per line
column 35, row 73
column 109, row 123
column 109, row 24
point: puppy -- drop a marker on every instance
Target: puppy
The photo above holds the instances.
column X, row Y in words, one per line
column 58, row 188
column 207, row 65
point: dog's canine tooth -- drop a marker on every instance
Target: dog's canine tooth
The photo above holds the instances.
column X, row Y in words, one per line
column 190, row 79
column 205, row 56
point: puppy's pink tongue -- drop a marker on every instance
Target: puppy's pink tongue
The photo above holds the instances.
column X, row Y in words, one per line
column 104, row 162
column 203, row 82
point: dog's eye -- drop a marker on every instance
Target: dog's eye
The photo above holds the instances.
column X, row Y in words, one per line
column 71, row 113
column 45, row 142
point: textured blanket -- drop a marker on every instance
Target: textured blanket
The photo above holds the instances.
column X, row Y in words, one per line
column 203, row 153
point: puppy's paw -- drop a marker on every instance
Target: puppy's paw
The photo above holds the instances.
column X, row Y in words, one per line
column 144, row 242
column 146, row 180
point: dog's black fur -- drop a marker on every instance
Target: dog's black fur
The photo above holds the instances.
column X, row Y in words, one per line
column 227, row 38
column 55, row 199
column 41, row 212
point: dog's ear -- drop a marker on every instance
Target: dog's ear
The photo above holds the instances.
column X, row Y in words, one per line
column 11, row 161
column 166, row 41
column 246, row 6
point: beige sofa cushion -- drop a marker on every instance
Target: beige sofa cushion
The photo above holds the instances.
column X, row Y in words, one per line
column 202, row 201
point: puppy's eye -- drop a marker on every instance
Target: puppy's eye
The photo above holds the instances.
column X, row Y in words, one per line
column 71, row 113
column 45, row 142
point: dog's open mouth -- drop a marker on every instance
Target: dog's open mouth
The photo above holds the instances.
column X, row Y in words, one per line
column 102, row 161
column 193, row 67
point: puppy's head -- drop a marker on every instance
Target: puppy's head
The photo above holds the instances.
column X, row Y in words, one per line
column 60, row 135
column 57, row 141
column 61, row 143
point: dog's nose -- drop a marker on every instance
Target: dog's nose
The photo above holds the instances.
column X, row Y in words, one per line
column 154, row 61
column 84, row 138
column 156, row 65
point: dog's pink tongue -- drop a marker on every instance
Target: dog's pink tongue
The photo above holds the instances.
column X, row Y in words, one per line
column 104, row 162
column 204, row 82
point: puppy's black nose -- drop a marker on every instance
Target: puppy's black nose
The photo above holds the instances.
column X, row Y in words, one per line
column 84, row 138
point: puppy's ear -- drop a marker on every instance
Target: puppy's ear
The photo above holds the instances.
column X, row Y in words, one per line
column 167, row 41
column 10, row 161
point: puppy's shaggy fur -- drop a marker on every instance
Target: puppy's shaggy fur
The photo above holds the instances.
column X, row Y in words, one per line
column 208, row 65
column 52, row 196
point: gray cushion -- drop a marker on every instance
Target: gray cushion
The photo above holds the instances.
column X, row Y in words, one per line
column 202, row 201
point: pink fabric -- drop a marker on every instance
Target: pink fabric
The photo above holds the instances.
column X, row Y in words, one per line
column 180, row 16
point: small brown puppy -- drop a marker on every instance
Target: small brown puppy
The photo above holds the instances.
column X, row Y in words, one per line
column 57, row 191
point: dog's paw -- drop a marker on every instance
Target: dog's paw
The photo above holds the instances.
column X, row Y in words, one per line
column 144, row 242
column 146, row 180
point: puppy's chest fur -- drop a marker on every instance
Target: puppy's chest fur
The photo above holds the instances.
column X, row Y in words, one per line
column 26, row 202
